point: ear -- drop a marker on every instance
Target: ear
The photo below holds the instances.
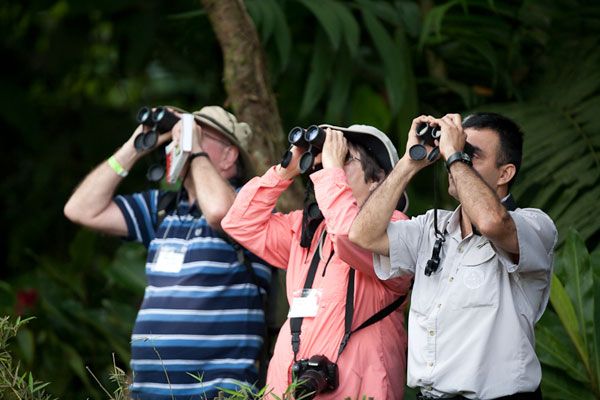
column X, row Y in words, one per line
column 507, row 172
column 229, row 157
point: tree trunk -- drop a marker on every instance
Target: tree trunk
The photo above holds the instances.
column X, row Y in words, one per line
column 248, row 88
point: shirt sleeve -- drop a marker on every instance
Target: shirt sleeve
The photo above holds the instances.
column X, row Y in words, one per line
column 537, row 236
column 140, row 213
column 339, row 208
column 405, row 238
column 252, row 223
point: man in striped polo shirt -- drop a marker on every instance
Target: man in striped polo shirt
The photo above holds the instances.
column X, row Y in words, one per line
column 201, row 322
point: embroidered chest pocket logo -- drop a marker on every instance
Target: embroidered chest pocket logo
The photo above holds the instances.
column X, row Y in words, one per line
column 478, row 278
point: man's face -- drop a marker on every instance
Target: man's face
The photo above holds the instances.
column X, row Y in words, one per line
column 486, row 143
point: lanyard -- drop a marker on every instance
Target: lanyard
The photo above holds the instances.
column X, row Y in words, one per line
column 296, row 323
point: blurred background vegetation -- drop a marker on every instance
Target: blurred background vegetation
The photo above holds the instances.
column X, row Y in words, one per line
column 76, row 72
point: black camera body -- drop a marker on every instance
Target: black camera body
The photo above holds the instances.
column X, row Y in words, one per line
column 314, row 375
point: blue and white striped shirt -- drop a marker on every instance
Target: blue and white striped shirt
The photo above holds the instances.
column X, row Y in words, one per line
column 201, row 322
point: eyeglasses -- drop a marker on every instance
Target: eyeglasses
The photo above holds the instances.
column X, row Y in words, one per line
column 350, row 158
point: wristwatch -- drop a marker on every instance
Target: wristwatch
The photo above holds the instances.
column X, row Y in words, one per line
column 458, row 156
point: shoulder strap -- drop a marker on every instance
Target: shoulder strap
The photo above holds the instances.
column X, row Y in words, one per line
column 378, row 316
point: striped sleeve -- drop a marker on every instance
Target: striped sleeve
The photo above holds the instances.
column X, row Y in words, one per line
column 140, row 212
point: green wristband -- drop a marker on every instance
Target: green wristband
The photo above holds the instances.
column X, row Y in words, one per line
column 118, row 168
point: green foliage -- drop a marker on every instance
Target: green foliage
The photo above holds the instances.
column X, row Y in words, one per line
column 568, row 338
column 14, row 384
column 77, row 71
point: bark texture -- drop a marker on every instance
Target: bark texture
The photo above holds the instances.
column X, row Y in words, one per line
column 249, row 91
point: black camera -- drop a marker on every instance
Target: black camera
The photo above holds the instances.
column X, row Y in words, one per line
column 314, row 375
column 311, row 140
column 159, row 120
column 427, row 135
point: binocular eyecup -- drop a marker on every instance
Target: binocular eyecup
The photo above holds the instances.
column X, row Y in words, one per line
column 311, row 140
column 159, row 120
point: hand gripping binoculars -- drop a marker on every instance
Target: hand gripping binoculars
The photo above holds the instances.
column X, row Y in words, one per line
column 159, row 120
column 310, row 140
column 427, row 135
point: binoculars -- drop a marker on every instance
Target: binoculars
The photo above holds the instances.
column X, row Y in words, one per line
column 159, row 120
column 310, row 140
column 427, row 135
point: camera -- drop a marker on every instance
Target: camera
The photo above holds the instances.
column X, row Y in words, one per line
column 427, row 135
column 314, row 375
column 311, row 140
column 159, row 120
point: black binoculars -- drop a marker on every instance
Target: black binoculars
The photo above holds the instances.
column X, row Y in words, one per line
column 427, row 135
column 159, row 120
column 311, row 140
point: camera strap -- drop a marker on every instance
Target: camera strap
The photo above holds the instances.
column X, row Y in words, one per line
column 296, row 323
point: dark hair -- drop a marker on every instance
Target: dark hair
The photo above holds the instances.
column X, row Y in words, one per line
column 372, row 170
column 509, row 133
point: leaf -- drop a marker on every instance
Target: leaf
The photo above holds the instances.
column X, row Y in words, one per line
column 388, row 51
column 433, row 22
column 325, row 12
column 558, row 386
column 351, row 30
column 555, row 349
column 567, row 314
column 340, row 89
column 26, row 344
column 320, row 71
column 369, row 108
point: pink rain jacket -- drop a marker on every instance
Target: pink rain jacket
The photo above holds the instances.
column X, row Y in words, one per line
column 374, row 361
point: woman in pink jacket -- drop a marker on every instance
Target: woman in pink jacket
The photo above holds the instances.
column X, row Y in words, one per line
column 340, row 291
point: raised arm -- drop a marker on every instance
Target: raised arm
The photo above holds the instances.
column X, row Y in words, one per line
column 91, row 204
column 369, row 229
column 480, row 202
column 252, row 222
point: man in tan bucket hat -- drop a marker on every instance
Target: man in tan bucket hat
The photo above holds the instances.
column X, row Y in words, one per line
column 200, row 326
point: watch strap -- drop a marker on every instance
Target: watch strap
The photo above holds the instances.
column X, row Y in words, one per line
column 458, row 156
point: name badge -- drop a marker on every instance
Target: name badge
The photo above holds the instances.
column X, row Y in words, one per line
column 169, row 259
column 305, row 303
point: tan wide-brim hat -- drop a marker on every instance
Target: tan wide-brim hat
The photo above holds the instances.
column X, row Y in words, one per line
column 238, row 133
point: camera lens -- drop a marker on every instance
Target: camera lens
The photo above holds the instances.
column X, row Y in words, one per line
column 144, row 116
